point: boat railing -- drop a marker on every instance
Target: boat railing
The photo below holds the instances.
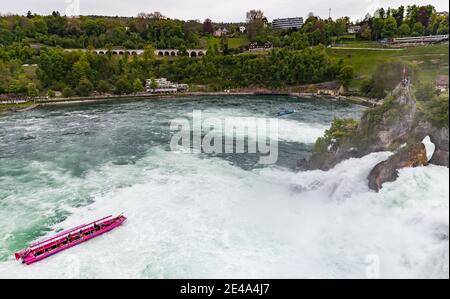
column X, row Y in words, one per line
column 67, row 232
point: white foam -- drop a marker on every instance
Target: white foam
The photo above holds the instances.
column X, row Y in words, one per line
column 429, row 146
column 198, row 218
column 289, row 130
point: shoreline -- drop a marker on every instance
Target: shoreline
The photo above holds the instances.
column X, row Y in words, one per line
column 37, row 103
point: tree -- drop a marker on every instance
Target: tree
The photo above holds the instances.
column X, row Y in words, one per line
column 388, row 75
column 378, row 25
column 137, row 85
column 341, row 26
column 92, row 27
column 81, row 69
column 149, row 52
column 254, row 15
column 224, row 45
column 390, row 27
column 436, row 111
column 425, row 92
column 404, row 30
column 68, row 92
column 51, row 93
column 103, row 86
column 366, row 32
column 424, row 15
column 418, row 29
column 412, row 12
column 32, row 90
column 123, row 86
column 153, row 84
column 399, row 15
column 40, row 25
column 255, row 29
column 208, row 27
column 151, row 16
column 367, row 86
column 84, row 87
column 443, row 27
column 382, row 13
column 346, row 75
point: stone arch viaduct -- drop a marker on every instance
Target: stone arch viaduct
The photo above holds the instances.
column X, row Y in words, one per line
column 193, row 53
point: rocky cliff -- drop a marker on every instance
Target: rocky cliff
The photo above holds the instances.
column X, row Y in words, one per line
column 394, row 126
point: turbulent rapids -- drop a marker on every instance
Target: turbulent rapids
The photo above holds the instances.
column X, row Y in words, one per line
column 215, row 216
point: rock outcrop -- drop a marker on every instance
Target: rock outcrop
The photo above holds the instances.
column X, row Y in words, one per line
column 440, row 138
column 382, row 128
column 394, row 126
column 387, row 171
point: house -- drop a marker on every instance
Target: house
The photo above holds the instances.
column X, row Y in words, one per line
column 242, row 29
column 333, row 88
column 288, row 23
column 255, row 47
column 220, row 32
column 165, row 86
column 442, row 83
column 353, row 29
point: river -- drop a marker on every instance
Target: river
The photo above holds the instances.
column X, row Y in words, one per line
column 197, row 215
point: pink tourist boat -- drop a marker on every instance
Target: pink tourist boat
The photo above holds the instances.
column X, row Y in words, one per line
column 68, row 239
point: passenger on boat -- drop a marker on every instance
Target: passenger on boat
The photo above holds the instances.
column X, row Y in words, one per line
column 96, row 227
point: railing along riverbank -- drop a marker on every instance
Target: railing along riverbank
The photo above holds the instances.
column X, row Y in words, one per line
column 43, row 102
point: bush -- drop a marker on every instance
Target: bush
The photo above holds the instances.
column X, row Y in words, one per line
column 103, row 86
column 51, row 94
column 84, row 87
column 367, row 86
column 341, row 128
column 32, row 90
column 386, row 77
column 123, row 86
column 425, row 92
column 137, row 85
column 68, row 92
column 436, row 111
column 346, row 75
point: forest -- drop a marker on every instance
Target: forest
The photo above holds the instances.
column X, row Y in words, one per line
column 33, row 61
column 80, row 73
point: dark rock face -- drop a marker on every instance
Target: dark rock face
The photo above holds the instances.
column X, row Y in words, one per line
column 387, row 171
column 395, row 122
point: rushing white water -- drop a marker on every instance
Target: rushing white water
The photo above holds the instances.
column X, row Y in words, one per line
column 194, row 216
column 288, row 130
column 199, row 218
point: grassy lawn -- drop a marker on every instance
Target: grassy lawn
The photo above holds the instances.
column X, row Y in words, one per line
column 429, row 60
column 233, row 42
column 359, row 44
column 4, row 107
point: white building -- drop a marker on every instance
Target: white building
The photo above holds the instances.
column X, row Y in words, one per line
column 353, row 29
column 165, row 86
column 288, row 23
